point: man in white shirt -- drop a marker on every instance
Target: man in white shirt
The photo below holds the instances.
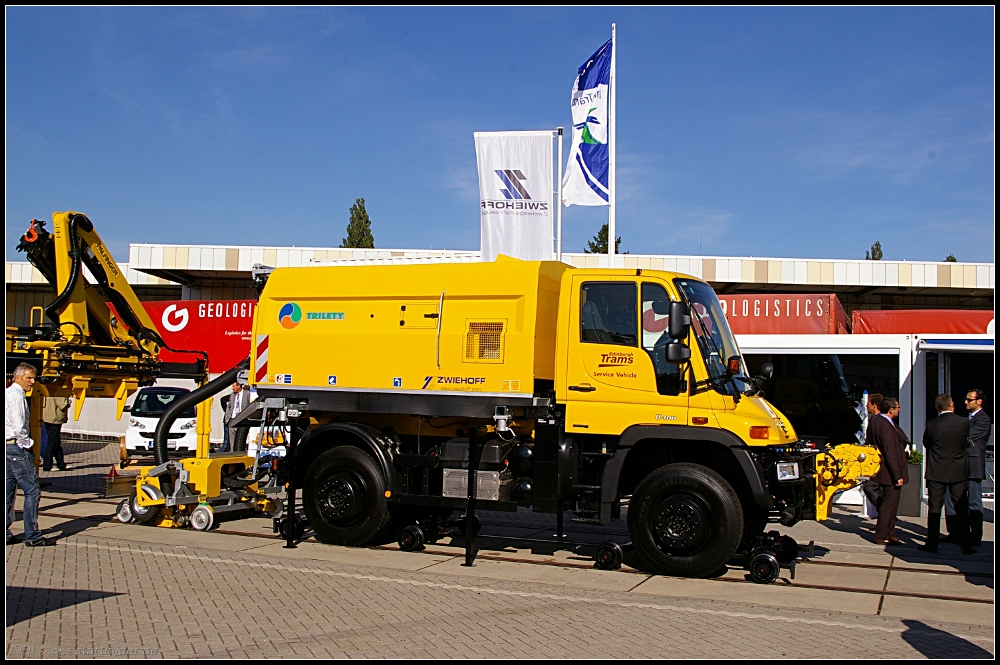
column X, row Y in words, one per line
column 20, row 461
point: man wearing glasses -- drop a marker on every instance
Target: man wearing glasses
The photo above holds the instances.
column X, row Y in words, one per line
column 979, row 434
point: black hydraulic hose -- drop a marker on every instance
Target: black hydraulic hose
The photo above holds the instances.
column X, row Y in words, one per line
column 182, row 403
column 240, row 440
column 74, row 274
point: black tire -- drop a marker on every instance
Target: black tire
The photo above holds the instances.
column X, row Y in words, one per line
column 685, row 520
column 344, row 497
column 142, row 514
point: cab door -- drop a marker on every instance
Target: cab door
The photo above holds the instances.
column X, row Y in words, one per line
column 616, row 373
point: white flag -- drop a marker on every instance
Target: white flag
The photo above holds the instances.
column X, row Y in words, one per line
column 586, row 179
column 515, row 192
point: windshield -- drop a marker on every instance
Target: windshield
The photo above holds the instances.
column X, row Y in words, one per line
column 711, row 329
column 153, row 404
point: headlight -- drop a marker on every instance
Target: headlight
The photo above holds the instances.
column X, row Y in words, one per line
column 136, row 424
column 788, row 470
column 191, row 424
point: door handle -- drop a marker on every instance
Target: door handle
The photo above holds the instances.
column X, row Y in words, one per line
column 583, row 389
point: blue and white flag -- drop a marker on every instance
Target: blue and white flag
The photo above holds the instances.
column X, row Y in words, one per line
column 586, row 180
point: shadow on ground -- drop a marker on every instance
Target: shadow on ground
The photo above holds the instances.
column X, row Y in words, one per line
column 25, row 603
column 935, row 643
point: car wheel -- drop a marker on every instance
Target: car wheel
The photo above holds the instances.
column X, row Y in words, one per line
column 344, row 497
column 686, row 520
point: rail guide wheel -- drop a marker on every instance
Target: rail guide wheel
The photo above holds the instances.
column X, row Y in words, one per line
column 764, row 568
column 296, row 526
column 202, row 518
column 609, row 556
column 124, row 512
column 411, row 539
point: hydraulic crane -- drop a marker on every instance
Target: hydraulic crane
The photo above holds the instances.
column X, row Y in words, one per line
column 95, row 339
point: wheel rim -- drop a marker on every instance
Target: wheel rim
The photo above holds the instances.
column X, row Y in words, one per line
column 681, row 523
column 199, row 519
column 341, row 498
column 137, row 509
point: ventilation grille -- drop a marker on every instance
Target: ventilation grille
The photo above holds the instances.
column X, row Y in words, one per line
column 484, row 342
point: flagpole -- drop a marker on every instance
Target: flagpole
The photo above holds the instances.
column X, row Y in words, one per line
column 612, row 144
column 559, row 186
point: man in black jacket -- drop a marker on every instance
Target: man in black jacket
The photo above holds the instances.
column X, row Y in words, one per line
column 945, row 441
column 979, row 434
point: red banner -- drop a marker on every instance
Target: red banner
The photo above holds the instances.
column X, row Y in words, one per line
column 220, row 328
column 784, row 314
column 916, row 321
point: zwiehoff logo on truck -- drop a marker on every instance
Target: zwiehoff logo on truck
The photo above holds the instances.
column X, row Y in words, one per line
column 454, row 383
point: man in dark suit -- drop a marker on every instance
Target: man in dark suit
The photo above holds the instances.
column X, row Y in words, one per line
column 979, row 435
column 892, row 475
column 945, row 441
column 870, row 487
column 239, row 400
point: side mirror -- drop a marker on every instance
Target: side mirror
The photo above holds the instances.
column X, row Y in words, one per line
column 680, row 321
column 767, row 370
column 677, row 352
column 127, row 409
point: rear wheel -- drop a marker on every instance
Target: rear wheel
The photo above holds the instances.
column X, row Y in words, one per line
column 344, row 497
column 685, row 519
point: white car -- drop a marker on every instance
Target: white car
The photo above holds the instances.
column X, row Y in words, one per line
column 143, row 416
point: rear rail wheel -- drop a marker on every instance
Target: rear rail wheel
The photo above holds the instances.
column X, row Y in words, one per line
column 344, row 497
column 685, row 520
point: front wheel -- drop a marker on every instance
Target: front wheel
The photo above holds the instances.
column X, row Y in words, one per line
column 686, row 520
column 344, row 497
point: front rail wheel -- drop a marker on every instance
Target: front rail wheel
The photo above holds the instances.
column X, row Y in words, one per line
column 344, row 497
column 686, row 520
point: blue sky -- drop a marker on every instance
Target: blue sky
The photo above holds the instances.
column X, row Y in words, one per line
column 742, row 131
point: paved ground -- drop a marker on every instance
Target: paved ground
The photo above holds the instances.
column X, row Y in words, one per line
column 109, row 589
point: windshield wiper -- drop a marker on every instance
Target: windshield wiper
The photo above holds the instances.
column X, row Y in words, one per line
column 717, row 379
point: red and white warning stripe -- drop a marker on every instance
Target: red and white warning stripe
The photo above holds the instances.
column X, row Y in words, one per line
column 261, row 365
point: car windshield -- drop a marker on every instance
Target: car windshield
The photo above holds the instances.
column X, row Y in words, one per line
column 711, row 329
column 152, row 404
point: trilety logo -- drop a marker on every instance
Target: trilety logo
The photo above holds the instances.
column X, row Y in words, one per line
column 181, row 318
column 290, row 315
column 513, row 188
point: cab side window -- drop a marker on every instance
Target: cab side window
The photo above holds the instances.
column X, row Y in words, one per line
column 609, row 313
column 655, row 338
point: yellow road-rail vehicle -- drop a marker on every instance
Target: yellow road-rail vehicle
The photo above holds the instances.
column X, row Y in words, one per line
column 412, row 391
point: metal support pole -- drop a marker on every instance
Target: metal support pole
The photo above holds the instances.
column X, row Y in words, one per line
column 290, row 518
column 475, row 455
column 612, row 145
column 559, row 187
column 559, row 520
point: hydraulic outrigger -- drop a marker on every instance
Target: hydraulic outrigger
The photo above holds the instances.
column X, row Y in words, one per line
column 96, row 340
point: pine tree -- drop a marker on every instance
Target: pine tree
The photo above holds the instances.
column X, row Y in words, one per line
column 359, row 229
column 875, row 253
column 599, row 245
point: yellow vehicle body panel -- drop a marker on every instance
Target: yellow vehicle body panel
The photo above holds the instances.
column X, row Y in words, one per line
column 474, row 328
